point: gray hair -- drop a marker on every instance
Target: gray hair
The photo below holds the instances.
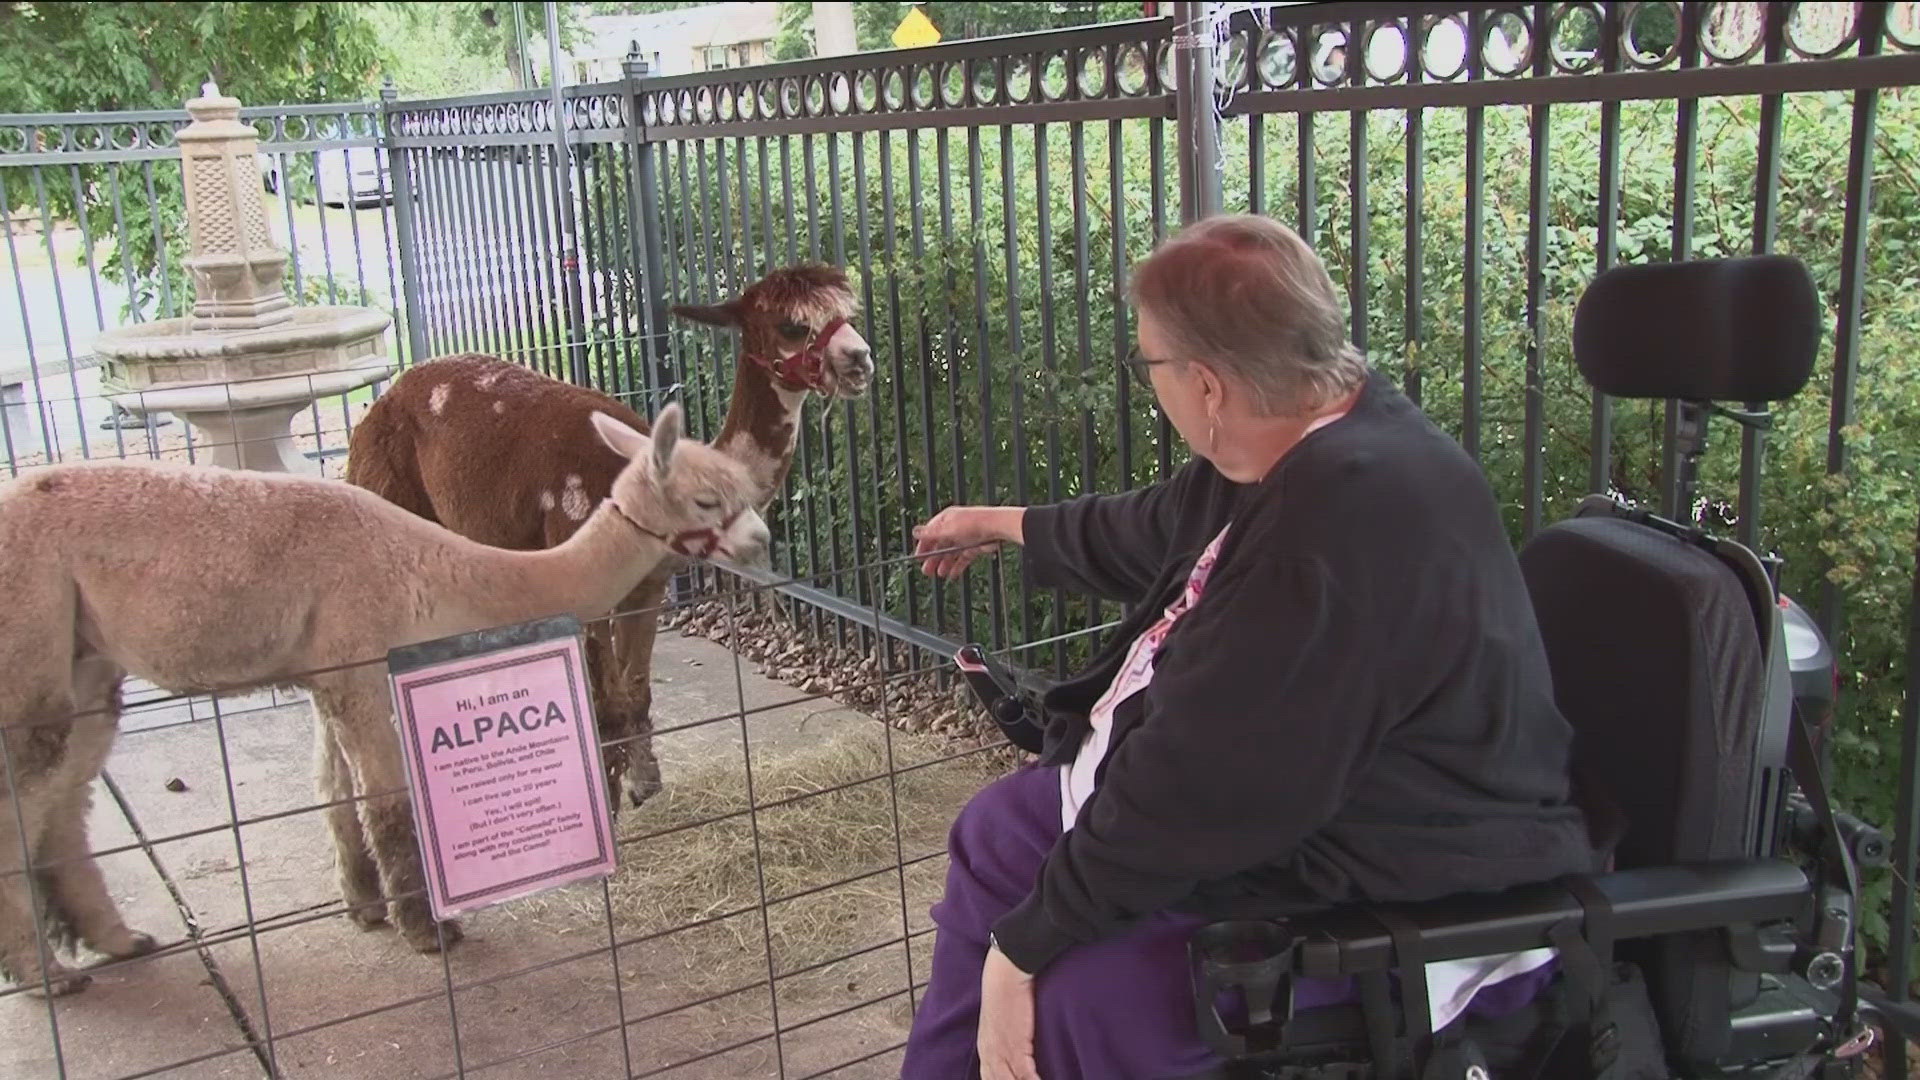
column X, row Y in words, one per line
column 1246, row 295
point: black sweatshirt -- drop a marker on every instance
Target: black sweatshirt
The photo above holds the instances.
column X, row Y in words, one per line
column 1358, row 708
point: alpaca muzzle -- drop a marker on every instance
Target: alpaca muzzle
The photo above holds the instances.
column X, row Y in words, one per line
column 701, row 543
column 691, row 543
column 806, row 369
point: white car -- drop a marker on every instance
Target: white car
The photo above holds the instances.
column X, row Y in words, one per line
column 355, row 175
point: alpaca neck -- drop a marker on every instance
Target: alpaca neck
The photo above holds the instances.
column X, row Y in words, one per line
column 762, row 426
column 587, row 576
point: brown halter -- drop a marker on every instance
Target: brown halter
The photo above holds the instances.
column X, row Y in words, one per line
column 684, row 543
column 806, row 369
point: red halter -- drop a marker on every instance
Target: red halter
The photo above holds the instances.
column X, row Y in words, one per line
column 806, row 369
column 692, row 543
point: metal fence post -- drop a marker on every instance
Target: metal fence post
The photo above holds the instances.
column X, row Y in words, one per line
column 400, row 178
column 648, row 260
column 576, row 329
column 643, row 211
column 1196, row 118
column 633, row 69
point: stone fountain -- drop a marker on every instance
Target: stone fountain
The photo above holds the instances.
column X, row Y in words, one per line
column 247, row 360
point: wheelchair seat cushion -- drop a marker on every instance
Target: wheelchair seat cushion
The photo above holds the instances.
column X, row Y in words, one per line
column 1657, row 664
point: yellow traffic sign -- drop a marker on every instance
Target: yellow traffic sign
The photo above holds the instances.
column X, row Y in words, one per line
column 916, row 30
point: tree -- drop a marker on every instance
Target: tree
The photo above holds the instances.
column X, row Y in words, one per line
column 962, row 21
column 874, row 21
column 618, row 7
column 112, row 56
column 92, row 57
column 482, row 28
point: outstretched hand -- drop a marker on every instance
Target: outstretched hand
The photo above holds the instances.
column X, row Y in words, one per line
column 951, row 540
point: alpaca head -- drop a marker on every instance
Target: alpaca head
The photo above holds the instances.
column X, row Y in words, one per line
column 797, row 325
column 685, row 493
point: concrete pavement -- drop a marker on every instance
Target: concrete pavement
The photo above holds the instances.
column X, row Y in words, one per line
column 535, row 990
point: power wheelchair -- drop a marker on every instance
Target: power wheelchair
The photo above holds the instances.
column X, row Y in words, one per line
column 1720, row 941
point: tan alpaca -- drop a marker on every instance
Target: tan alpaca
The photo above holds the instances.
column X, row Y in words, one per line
column 197, row 578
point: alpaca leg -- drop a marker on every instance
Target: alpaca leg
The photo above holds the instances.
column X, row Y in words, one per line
column 77, row 896
column 21, row 937
column 630, row 688
column 360, row 708
column 28, row 793
column 380, row 458
column 353, row 860
column 616, row 743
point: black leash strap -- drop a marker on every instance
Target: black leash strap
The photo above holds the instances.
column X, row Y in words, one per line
column 1586, row 955
column 1804, row 760
column 999, row 694
column 1376, row 1008
column 1415, row 1009
column 1599, row 932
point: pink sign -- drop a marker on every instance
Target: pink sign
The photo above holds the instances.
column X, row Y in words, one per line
column 508, row 791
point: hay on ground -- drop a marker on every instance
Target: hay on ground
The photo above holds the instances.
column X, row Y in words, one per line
column 710, row 870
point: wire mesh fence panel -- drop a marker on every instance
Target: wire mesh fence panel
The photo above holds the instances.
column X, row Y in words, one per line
column 768, row 914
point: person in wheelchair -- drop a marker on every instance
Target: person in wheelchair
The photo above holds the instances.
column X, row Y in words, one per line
column 1330, row 688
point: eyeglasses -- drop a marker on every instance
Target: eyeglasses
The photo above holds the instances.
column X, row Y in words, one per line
column 1138, row 365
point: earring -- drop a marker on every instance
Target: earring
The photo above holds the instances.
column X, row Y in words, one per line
column 1213, row 433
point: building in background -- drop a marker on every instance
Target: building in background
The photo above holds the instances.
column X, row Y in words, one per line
column 705, row 38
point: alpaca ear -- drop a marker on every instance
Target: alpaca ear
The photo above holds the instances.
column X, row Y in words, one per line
column 711, row 314
column 619, row 437
column 666, row 433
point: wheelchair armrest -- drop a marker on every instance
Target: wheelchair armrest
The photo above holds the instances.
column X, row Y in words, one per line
column 1646, row 903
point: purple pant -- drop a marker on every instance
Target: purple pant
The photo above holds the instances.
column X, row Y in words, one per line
column 1118, row 1009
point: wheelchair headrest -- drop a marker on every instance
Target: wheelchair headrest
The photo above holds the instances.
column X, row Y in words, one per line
column 1730, row 330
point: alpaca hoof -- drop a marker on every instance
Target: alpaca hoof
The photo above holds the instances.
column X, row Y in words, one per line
column 60, row 982
column 432, row 939
column 369, row 916
column 415, row 920
column 132, row 943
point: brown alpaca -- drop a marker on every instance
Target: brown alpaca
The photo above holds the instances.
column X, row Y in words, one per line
column 196, row 578
column 490, row 450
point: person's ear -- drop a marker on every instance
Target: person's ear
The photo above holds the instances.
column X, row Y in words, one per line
column 1213, row 389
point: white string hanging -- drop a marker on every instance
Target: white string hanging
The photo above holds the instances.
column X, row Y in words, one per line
column 1216, row 23
column 1212, row 27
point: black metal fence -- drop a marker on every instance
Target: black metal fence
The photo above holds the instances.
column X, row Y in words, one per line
column 1465, row 169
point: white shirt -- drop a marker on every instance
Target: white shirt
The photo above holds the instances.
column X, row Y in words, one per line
column 1077, row 779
